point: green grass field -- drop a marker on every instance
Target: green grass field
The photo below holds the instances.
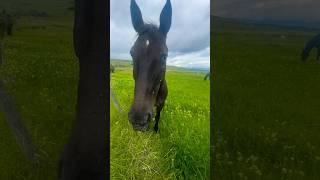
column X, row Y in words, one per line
column 40, row 72
column 181, row 149
column 266, row 104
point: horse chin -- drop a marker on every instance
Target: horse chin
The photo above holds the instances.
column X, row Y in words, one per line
column 141, row 128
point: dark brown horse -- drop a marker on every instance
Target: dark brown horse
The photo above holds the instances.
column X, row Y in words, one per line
column 312, row 43
column 6, row 26
column 149, row 54
column 6, row 23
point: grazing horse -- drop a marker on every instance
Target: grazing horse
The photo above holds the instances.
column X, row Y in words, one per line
column 313, row 43
column 6, row 24
column 3, row 32
column 9, row 24
column 149, row 54
column 207, row 76
column 85, row 157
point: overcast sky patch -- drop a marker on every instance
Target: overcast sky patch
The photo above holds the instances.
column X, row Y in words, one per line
column 188, row 39
column 293, row 10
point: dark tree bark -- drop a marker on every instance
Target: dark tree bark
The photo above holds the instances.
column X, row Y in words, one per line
column 86, row 154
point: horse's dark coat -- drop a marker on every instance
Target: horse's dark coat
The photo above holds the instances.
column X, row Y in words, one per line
column 9, row 25
column 149, row 54
column 6, row 24
column 313, row 43
column 86, row 155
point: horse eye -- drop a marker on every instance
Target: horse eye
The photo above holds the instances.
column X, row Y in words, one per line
column 163, row 58
column 131, row 53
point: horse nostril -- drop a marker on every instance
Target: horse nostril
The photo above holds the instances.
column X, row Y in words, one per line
column 149, row 116
column 139, row 119
column 146, row 118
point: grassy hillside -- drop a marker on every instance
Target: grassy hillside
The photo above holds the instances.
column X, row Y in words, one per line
column 40, row 73
column 32, row 7
column 181, row 149
column 266, row 104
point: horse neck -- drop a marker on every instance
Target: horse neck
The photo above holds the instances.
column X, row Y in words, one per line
column 314, row 42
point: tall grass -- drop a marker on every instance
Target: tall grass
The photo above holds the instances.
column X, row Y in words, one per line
column 181, row 149
column 40, row 72
column 266, row 105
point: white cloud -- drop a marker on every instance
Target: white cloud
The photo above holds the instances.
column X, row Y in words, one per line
column 197, row 59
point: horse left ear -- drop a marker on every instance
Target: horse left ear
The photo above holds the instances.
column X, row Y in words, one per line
column 165, row 18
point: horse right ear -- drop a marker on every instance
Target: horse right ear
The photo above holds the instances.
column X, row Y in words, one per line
column 136, row 16
column 165, row 18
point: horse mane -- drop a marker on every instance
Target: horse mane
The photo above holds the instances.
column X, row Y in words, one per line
column 148, row 28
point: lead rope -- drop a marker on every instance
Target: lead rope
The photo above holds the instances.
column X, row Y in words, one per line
column 15, row 122
column 114, row 99
column 12, row 115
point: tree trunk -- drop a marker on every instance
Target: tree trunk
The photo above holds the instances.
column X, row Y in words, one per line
column 86, row 154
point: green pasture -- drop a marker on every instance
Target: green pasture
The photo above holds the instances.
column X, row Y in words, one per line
column 40, row 73
column 266, row 103
column 180, row 150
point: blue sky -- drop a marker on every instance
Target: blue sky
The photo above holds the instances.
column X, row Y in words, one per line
column 189, row 37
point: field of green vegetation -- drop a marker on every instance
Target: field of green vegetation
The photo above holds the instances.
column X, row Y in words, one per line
column 181, row 149
column 40, row 72
column 266, row 102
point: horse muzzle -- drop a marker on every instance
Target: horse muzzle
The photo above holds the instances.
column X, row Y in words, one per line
column 140, row 121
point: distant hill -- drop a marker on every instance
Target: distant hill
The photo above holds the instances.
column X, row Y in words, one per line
column 222, row 22
column 127, row 63
column 38, row 7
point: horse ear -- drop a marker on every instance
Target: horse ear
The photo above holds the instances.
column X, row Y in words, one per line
column 136, row 16
column 165, row 18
